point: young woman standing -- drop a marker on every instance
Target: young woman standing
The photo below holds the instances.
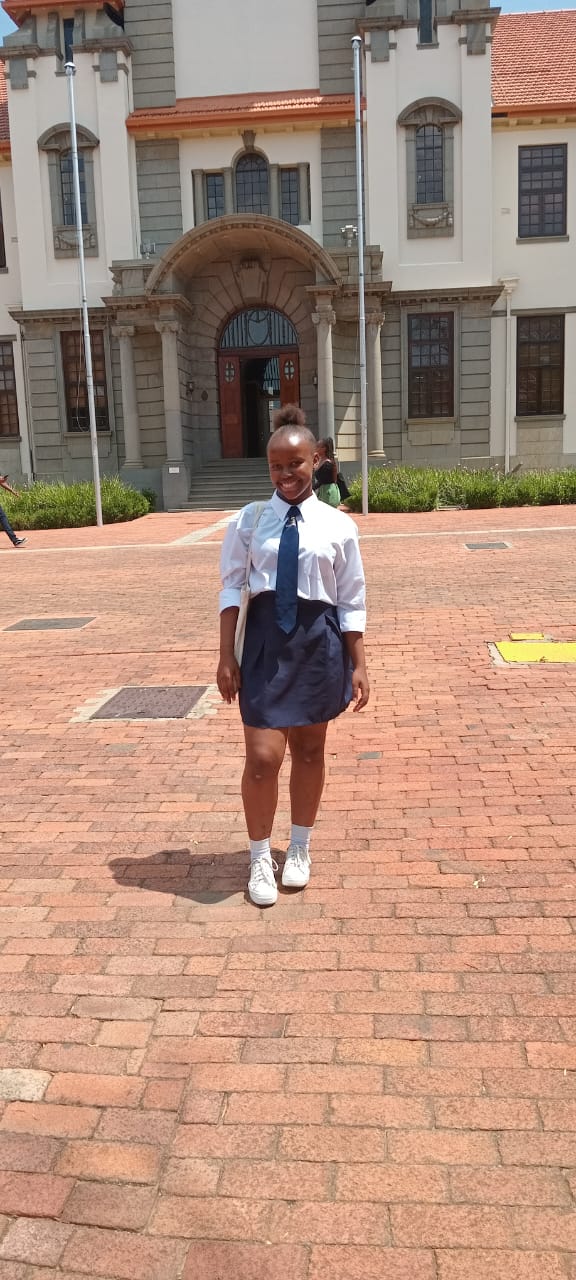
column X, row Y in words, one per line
column 303, row 659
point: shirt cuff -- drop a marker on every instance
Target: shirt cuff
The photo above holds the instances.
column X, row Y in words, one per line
column 230, row 598
column 352, row 620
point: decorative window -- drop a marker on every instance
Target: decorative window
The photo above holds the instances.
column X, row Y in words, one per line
column 75, row 386
column 542, row 191
column 290, row 196
column 429, row 164
column 56, row 143
column 540, row 365
column 215, row 196
column 431, row 366
column 258, row 327
column 430, row 125
column 8, row 400
column 252, row 184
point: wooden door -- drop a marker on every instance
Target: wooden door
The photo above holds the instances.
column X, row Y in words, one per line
column 231, row 406
column 289, row 378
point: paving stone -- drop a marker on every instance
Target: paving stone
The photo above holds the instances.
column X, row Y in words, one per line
column 23, row 1085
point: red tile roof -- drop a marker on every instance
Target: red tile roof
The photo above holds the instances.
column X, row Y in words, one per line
column 534, row 60
column 243, row 108
column 4, row 122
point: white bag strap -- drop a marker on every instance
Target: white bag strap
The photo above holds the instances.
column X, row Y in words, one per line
column 260, row 507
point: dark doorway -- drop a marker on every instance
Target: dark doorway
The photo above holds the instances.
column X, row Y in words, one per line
column 258, row 371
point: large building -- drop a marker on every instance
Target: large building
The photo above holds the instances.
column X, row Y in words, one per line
column 218, row 195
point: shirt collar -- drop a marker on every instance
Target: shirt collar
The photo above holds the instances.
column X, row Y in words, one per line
column 307, row 507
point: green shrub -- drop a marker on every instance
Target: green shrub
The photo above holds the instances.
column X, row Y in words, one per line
column 151, row 498
column 396, row 489
column 422, row 488
column 72, row 506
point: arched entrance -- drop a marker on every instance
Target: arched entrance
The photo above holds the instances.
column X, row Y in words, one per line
column 258, row 370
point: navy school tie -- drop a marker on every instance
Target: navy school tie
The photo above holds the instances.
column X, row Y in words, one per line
column 287, row 572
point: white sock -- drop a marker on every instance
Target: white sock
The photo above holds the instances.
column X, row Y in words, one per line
column 260, row 848
column 301, row 835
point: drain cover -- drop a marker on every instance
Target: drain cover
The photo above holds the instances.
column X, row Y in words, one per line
column 487, row 546
column 164, row 702
column 49, row 624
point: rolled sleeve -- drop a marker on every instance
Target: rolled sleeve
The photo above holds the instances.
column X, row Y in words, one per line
column 351, row 584
column 233, row 563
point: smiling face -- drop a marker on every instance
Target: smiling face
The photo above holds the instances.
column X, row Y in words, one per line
column 291, row 460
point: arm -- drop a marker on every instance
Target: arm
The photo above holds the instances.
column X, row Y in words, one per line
column 351, row 586
column 233, row 570
column 228, row 676
column 5, row 485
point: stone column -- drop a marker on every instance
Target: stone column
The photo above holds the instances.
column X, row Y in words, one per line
column 274, row 189
column 324, row 318
column 199, row 202
column 169, row 330
column 132, row 449
column 175, row 474
column 228, row 191
column 304, row 188
column 374, row 378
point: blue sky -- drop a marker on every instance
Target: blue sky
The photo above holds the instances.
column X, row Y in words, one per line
column 508, row 6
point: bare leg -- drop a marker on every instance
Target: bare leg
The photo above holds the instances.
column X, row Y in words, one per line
column 307, row 776
column 265, row 750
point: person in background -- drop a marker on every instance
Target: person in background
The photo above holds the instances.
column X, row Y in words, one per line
column 4, row 521
column 303, row 661
column 325, row 482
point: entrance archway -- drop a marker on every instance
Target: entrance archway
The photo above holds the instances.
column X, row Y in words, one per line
column 258, row 370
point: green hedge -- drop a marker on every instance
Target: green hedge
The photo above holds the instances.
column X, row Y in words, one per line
column 71, row 506
column 427, row 488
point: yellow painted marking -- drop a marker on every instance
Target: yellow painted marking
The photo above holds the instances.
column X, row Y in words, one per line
column 537, row 651
column 526, row 635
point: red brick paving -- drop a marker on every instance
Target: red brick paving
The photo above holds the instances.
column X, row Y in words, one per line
column 376, row 1078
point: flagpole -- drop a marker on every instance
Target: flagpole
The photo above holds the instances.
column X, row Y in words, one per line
column 357, row 45
column 70, row 73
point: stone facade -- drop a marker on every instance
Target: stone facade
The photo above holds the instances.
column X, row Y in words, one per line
column 182, row 250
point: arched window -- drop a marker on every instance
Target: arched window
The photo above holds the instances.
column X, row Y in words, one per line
column 56, row 143
column 67, row 189
column 430, row 125
column 429, row 164
column 252, row 184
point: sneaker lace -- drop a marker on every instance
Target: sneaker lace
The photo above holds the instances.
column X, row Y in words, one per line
column 299, row 855
column 262, row 870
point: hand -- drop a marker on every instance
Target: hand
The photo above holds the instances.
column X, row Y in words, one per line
column 228, row 678
column 360, row 688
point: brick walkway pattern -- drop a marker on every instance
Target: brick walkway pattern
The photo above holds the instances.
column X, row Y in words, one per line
column 376, row 1078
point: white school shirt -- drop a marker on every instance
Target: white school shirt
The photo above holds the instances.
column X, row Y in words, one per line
column 329, row 562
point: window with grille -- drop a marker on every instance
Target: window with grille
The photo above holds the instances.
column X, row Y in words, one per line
column 67, row 183
column 68, row 26
column 290, row 196
column 542, row 175
column 74, row 369
column 431, row 366
column 540, row 365
column 215, row 206
column 8, row 399
column 252, row 184
column 429, row 164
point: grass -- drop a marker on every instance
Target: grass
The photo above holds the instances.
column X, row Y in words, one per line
column 71, row 506
column 427, row 488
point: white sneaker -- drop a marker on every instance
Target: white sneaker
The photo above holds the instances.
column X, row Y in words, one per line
column 262, row 885
column 296, row 873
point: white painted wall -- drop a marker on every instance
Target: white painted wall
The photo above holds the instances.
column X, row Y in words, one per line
column 279, row 148
column 411, row 74
column 47, row 282
column 244, row 46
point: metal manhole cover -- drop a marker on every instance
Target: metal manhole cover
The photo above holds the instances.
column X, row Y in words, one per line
column 163, row 702
column 487, row 546
column 49, row 624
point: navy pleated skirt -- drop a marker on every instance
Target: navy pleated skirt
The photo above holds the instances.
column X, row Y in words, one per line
column 297, row 679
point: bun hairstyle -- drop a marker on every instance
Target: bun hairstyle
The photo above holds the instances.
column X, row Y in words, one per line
column 290, row 415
